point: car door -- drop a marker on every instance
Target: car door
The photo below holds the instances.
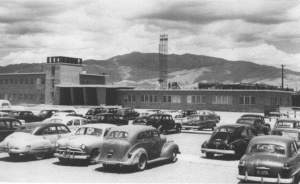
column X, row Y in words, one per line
column 4, row 130
column 151, row 145
column 50, row 133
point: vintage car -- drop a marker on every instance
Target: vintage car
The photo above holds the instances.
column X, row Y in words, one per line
column 7, row 126
column 37, row 139
column 112, row 110
column 272, row 159
column 47, row 113
column 108, row 118
column 141, row 120
column 27, row 116
column 164, row 123
column 210, row 114
column 86, row 144
column 199, row 122
column 93, row 111
column 136, row 146
column 255, row 122
column 288, row 132
column 188, row 112
column 287, row 123
column 127, row 113
column 262, row 118
column 231, row 139
column 149, row 112
column 73, row 122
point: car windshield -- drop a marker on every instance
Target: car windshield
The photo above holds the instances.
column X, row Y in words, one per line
column 284, row 124
column 25, row 129
column 245, row 121
column 89, row 131
column 118, row 134
column 267, row 148
column 154, row 117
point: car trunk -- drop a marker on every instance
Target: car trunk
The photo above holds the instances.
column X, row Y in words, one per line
column 219, row 140
column 114, row 150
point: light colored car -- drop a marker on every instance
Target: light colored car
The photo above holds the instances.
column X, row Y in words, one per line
column 37, row 139
column 73, row 122
column 85, row 144
column 149, row 112
column 8, row 115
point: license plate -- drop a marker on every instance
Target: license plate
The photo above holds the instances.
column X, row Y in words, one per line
column 66, row 155
column 262, row 172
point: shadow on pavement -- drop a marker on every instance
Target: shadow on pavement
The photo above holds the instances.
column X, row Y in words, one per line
column 224, row 157
column 21, row 158
column 72, row 163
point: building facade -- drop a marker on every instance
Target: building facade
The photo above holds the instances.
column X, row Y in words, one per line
column 211, row 99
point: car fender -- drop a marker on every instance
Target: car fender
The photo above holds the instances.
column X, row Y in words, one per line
column 137, row 153
column 167, row 149
column 44, row 144
column 178, row 125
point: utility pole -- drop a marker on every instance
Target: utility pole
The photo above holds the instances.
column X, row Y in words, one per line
column 282, row 77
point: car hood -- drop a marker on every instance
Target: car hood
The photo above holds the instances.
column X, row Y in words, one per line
column 78, row 140
column 19, row 139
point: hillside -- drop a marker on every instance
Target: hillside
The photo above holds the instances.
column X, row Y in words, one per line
column 142, row 70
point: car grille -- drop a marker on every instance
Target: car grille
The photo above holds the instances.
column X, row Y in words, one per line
column 71, row 151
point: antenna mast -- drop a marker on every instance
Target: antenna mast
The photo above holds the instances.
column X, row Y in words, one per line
column 163, row 61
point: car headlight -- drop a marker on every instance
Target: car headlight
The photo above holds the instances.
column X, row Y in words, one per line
column 242, row 163
column 56, row 144
column 231, row 146
column 83, row 147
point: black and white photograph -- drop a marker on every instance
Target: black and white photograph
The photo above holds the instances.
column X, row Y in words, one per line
column 150, row 91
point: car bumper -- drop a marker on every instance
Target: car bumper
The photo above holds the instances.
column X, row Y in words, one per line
column 192, row 127
column 265, row 179
column 230, row 152
column 27, row 150
column 72, row 156
column 109, row 162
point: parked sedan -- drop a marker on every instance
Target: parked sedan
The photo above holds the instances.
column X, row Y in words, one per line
column 288, row 132
column 287, row 123
column 273, row 159
column 211, row 114
column 199, row 122
column 108, row 118
column 228, row 140
column 262, row 118
column 85, row 145
column 37, row 139
column 255, row 122
column 141, row 120
column 136, row 146
column 127, row 113
column 7, row 126
column 73, row 122
column 27, row 116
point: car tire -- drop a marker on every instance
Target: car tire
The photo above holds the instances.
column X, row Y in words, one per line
column 173, row 157
column 210, row 155
column 40, row 156
column 93, row 156
column 14, row 155
column 142, row 163
column 178, row 129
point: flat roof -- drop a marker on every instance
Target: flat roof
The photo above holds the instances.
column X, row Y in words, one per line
column 92, row 86
column 93, row 74
column 214, row 90
column 35, row 73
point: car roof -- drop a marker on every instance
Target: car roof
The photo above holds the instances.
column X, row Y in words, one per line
column 99, row 125
column 40, row 124
column 6, row 118
column 252, row 115
column 104, row 114
column 160, row 114
column 248, row 118
column 133, row 128
column 233, row 125
column 272, row 139
column 286, row 129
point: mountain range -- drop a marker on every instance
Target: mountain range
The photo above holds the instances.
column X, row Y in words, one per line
column 142, row 70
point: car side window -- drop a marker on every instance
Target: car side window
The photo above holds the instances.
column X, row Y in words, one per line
column 49, row 131
column 69, row 123
column 62, row 130
column 244, row 133
column 77, row 122
column 106, row 131
column 295, row 145
column 141, row 136
column 156, row 135
column 83, row 122
column 149, row 135
column 15, row 124
column 2, row 124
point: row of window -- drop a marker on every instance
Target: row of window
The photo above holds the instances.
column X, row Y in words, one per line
column 15, row 96
column 192, row 99
column 37, row 81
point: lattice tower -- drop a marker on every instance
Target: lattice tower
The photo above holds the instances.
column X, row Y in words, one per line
column 163, row 61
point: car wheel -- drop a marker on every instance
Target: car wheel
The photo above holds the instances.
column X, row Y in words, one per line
column 173, row 157
column 210, row 155
column 94, row 155
column 40, row 155
column 14, row 155
column 178, row 129
column 142, row 163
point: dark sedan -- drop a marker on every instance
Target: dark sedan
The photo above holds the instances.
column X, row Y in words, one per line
column 255, row 122
column 272, row 159
column 228, row 140
column 141, row 120
column 108, row 118
column 7, row 126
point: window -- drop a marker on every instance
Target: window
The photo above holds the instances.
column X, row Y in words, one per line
column 30, row 96
column 70, row 123
column 2, row 124
column 20, row 96
column 141, row 136
column 21, row 81
column 43, row 81
column 148, row 98
column 172, row 99
column 247, row 100
column 149, row 135
column 62, row 130
column 196, row 99
column 274, row 101
column 31, row 81
column 11, row 81
column 129, row 98
column 6, row 81
column 53, row 70
column 25, row 96
column 156, row 134
column 77, row 122
column 221, row 99
column 16, row 81
column 26, row 81
column 15, row 124
column 49, row 131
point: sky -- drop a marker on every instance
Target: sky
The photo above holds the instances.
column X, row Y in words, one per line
column 265, row 32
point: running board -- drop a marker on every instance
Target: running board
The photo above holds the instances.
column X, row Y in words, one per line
column 157, row 160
